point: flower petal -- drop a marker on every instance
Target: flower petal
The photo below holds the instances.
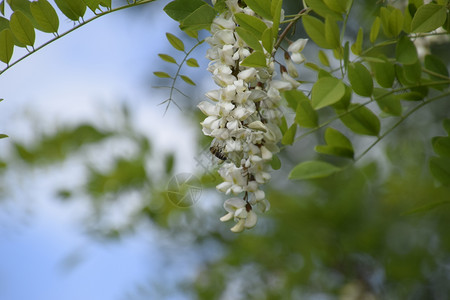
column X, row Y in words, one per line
column 251, row 219
column 239, row 227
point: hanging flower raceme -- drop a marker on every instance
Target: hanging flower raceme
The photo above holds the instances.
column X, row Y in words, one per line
column 243, row 120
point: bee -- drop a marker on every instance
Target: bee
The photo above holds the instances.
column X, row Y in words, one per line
column 216, row 150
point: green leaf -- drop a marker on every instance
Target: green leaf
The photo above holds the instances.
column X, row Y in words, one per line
column 440, row 169
column 180, row 9
column 411, row 96
column 360, row 79
column 361, row 120
column 339, row 6
column 327, row 91
column 384, row 73
column 374, row 30
column 413, row 72
column 388, row 102
column 321, row 73
column 92, row 4
column 73, row 9
column 395, row 22
column 357, row 46
column 337, row 144
column 276, row 13
column 289, row 135
column 305, row 115
column 338, row 53
column 161, row 74
column 344, row 102
column 22, row 28
column 167, row 58
column 406, row 52
column 175, row 42
column 187, row 80
column 267, row 40
column 45, row 15
column 428, row 18
column 249, row 38
column 332, row 34
column 261, row 7
column 6, row 45
column 251, row 23
column 192, row 62
column 2, row 136
column 400, row 74
column 106, row 3
column 283, row 125
column 316, row 31
column 257, row 59
column 323, row 58
column 320, row 8
column 384, row 16
column 22, row 5
column 407, row 19
column 312, row 169
column 292, row 98
column 199, row 19
column 312, row 66
column 275, row 163
column 435, row 64
column 336, row 138
column 441, row 145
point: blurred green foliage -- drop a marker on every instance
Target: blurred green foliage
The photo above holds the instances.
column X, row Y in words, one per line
column 378, row 230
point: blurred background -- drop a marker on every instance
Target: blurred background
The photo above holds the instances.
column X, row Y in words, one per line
column 84, row 212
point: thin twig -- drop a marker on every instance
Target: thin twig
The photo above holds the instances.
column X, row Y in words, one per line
column 58, row 36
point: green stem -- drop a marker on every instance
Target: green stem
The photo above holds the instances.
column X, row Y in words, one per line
column 402, row 118
column 137, row 3
column 289, row 26
column 332, row 120
column 172, row 88
column 382, row 44
column 447, row 79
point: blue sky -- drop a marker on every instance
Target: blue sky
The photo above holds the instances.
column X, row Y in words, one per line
column 75, row 79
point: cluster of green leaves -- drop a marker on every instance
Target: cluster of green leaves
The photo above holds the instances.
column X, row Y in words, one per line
column 256, row 33
column 347, row 229
column 102, row 186
column 19, row 29
column 178, row 45
column 195, row 15
column 384, row 68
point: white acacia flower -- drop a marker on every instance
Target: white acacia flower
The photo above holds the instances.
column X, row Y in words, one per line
column 208, row 109
column 247, row 75
column 214, row 95
column 234, row 180
column 295, row 48
column 291, row 68
column 297, row 58
column 294, row 83
column 238, row 210
column 244, row 117
column 222, row 22
column 281, row 85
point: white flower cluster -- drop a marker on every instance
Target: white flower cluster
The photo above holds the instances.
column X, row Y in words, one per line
column 244, row 118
